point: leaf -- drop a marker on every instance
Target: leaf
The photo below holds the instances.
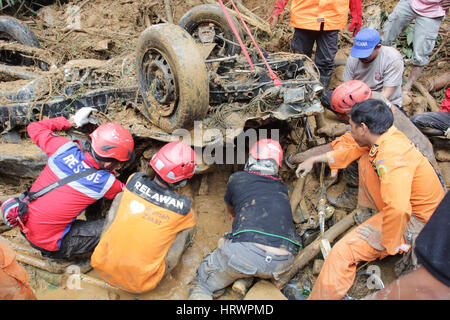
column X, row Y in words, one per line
column 409, row 37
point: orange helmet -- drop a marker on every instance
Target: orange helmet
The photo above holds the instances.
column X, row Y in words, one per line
column 345, row 96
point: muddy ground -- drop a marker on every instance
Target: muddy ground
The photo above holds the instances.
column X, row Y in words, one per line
column 110, row 29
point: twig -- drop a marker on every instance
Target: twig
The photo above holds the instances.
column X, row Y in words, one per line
column 444, row 42
column 430, row 100
column 167, row 4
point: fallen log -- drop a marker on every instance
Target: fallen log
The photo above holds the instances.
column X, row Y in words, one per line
column 311, row 251
column 296, row 196
column 424, row 92
column 439, row 82
column 252, row 18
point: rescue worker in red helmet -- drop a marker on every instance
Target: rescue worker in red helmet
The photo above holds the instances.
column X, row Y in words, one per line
column 50, row 224
column 149, row 225
column 263, row 241
column 343, row 98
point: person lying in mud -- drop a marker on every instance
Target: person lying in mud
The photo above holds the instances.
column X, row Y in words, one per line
column 263, row 241
column 343, row 98
column 395, row 180
column 149, row 225
column 49, row 222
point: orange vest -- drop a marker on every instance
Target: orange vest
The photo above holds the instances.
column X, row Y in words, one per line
column 309, row 14
column 131, row 253
column 408, row 182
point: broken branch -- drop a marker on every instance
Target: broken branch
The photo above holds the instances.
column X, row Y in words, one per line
column 430, row 100
column 307, row 254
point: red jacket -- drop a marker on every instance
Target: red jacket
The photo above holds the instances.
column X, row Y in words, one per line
column 445, row 106
column 50, row 216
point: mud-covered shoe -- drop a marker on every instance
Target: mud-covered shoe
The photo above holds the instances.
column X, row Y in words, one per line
column 348, row 199
column 195, row 293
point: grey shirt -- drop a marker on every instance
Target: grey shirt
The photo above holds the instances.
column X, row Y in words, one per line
column 385, row 71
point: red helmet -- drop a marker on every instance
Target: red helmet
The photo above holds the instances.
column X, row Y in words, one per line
column 267, row 149
column 111, row 140
column 345, row 96
column 174, row 162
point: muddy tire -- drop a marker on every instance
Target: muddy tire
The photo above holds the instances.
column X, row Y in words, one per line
column 204, row 15
column 12, row 29
column 172, row 76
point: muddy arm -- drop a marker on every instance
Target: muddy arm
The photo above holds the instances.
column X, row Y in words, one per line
column 302, row 156
column 182, row 241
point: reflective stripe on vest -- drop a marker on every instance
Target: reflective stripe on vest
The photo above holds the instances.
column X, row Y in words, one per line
column 65, row 162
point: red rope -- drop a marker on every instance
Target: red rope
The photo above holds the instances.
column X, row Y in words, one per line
column 275, row 79
column 236, row 34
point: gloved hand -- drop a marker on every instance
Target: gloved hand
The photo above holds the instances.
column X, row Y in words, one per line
column 356, row 12
column 277, row 10
column 9, row 217
column 81, row 116
column 372, row 236
column 447, row 133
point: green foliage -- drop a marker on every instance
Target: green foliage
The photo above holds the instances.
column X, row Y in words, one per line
column 9, row 3
column 405, row 42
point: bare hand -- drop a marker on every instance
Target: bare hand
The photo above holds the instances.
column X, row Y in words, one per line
column 304, row 168
column 372, row 236
column 292, row 159
column 445, row 4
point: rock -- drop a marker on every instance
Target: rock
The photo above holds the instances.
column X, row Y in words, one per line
column 264, row 290
column 25, row 160
column 318, row 263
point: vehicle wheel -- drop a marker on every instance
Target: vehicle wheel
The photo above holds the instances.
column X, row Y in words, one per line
column 207, row 23
column 12, row 29
column 172, row 77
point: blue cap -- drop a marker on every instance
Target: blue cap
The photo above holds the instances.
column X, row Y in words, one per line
column 364, row 43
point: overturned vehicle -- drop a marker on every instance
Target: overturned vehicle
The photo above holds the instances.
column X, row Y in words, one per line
column 186, row 74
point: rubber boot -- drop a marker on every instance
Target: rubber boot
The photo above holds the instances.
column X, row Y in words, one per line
column 325, row 78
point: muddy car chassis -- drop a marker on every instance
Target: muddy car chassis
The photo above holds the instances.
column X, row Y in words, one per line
column 185, row 73
column 185, row 76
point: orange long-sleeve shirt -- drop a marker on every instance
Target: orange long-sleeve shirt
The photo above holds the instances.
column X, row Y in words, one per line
column 408, row 182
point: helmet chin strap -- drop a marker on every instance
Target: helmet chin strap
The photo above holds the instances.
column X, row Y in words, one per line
column 264, row 167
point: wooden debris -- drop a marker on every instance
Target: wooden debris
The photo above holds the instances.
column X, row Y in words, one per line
column 318, row 263
column 252, row 19
column 167, row 5
column 438, row 82
column 264, row 290
column 241, row 286
column 311, row 251
column 296, row 197
column 430, row 100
